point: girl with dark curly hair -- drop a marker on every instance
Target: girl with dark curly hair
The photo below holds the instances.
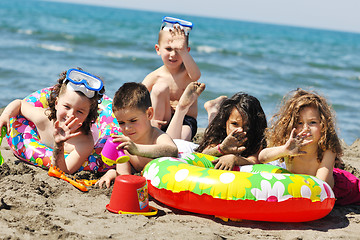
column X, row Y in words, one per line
column 236, row 133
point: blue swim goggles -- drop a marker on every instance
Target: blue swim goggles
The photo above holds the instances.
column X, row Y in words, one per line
column 170, row 22
column 84, row 82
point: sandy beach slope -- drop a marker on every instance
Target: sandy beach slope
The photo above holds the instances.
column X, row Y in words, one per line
column 36, row 206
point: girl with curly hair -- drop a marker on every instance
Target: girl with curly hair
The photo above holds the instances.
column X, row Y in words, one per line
column 236, row 132
column 65, row 125
column 303, row 135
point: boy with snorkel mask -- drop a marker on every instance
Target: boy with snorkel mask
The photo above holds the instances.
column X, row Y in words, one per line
column 168, row 82
column 65, row 125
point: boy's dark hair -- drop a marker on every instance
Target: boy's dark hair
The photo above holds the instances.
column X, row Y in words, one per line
column 132, row 95
column 254, row 123
column 60, row 87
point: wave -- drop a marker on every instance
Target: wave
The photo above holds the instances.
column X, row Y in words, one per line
column 112, row 54
column 26, row 31
column 206, row 49
column 55, row 48
column 324, row 66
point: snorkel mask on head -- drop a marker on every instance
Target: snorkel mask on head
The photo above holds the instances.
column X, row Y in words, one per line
column 83, row 82
column 169, row 23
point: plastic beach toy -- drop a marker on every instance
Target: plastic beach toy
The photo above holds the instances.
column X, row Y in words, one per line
column 258, row 192
column 130, row 196
column 3, row 133
column 110, row 155
column 56, row 172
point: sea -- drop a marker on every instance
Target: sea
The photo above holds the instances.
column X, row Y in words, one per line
column 40, row 39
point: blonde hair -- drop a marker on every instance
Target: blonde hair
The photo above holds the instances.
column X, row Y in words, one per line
column 286, row 119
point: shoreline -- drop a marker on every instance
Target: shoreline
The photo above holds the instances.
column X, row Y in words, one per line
column 36, row 206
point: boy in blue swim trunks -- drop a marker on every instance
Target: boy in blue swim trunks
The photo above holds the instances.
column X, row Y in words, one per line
column 168, row 83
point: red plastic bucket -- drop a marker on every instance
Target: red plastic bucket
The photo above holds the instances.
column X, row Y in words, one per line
column 129, row 195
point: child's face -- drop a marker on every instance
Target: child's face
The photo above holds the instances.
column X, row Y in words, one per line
column 235, row 121
column 310, row 120
column 69, row 104
column 134, row 123
column 168, row 50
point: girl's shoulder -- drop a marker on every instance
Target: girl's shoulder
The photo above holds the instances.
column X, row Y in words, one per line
column 82, row 141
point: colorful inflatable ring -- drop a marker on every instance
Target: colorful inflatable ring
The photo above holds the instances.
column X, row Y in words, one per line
column 258, row 192
column 25, row 141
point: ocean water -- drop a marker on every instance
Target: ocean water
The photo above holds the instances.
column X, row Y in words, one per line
column 39, row 39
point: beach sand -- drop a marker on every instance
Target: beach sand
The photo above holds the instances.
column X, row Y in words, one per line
column 36, row 206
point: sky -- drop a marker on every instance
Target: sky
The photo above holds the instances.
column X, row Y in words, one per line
column 342, row 15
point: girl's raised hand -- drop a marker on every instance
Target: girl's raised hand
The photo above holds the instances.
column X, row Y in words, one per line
column 295, row 143
column 65, row 131
column 233, row 143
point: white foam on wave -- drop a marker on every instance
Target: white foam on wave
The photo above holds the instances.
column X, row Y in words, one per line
column 55, row 48
column 113, row 54
column 206, row 49
column 69, row 37
column 26, row 31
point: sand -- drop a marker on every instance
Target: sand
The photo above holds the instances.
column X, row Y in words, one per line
column 36, row 206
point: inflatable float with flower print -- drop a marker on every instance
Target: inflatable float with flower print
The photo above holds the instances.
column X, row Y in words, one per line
column 25, row 142
column 256, row 192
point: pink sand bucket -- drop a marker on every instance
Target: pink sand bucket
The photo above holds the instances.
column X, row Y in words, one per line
column 130, row 196
column 110, row 155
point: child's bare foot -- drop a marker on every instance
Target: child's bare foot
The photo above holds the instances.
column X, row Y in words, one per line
column 191, row 94
column 212, row 106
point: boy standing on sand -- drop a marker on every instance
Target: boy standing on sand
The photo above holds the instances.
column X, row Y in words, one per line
column 167, row 83
column 141, row 141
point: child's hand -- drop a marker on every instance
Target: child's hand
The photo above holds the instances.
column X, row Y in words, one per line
column 295, row 143
column 178, row 39
column 226, row 162
column 233, row 143
column 5, row 121
column 109, row 176
column 158, row 123
column 65, row 131
column 126, row 144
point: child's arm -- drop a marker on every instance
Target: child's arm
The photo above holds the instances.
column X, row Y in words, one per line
column 272, row 153
column 16, row 107
column 83, row 145
column 179, row 41
column 325, row 170
column 163, row 147
column 110, row 175
column 232, row 144
column 150, row 80
column 227, row 162
column 141, row 154
column 290, row 148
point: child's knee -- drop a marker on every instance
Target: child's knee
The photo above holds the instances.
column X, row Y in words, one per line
column 160, row 89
